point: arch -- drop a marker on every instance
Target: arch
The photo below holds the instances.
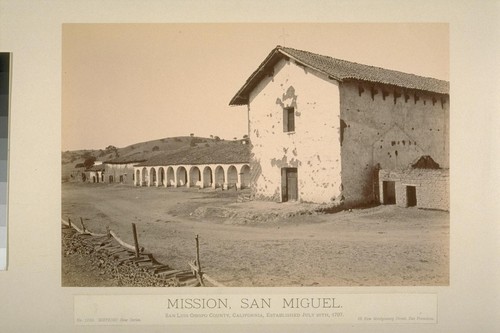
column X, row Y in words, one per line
column 194, row 176
column 144, row 180
column 138, row 177
column 220, row 178
column 110, row 178
column 152, row 175
column 245, row 176
column 161, row 176
column 232, row 176
column 170, row 176
column 181, row 176
column 207, row 177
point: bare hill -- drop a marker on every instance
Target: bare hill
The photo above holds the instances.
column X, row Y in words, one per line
column 137, row 152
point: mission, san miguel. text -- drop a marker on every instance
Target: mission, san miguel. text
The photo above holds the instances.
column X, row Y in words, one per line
column 254, row 303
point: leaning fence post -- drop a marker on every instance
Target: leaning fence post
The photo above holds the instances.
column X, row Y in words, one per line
column 108, row 231
column 69, row 222
column 83, row 225
column 198, row 264
column 136, row 242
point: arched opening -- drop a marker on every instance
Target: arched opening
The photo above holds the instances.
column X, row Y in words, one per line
column 219, row 177
column 194, row 177
column 144, row 180
column 153, row 176
column 161, row 176
column 110, row 178
column 138, row 177
column 207, row 177
column 93, row 179
column 181, row 176
column 170, row 176
column 232, row 176
column 245, row 176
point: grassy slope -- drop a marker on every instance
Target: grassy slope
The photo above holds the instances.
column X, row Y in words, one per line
column 142, row 150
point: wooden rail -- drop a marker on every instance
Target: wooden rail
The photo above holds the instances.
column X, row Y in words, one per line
column 147, row 258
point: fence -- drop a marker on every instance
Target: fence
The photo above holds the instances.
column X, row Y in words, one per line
column 136, row 255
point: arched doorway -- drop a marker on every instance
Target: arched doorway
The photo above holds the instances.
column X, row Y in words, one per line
column 207, row 177
column 181, row 176
column 194, row 176
column 161, row 176
column 144, row 180
column 245, row 176
column 219, row 177
column 232, row 176
column 138, row 177
column 170, row 176
column 153, row 177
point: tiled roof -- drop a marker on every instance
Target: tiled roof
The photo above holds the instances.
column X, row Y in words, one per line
column 222, row 153
column 339, row 70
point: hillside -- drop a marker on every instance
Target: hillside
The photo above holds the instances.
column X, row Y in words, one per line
column 136, row 152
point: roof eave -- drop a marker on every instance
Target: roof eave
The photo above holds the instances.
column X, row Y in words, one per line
column 241, row 97
column 297, row 60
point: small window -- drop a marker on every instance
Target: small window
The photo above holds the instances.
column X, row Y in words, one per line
column 288, row 119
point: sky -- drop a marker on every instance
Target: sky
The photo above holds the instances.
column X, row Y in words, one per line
column 129, row 83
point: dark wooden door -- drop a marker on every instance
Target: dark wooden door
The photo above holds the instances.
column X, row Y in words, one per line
column 290, row 184
column 411, row 196
column 389, row 188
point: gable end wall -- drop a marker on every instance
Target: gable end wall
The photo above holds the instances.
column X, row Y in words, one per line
column 313, row 148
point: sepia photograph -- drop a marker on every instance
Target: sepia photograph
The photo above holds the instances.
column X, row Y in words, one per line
column 282, row 166
column 255, row 155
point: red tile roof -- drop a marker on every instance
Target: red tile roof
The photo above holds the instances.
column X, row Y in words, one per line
column 339, row 70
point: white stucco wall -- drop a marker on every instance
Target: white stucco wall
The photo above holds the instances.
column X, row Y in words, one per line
column 313, row 148
column 117, row 170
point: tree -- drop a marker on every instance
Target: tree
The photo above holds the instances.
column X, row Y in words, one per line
column 156, row 148
column 89, row 162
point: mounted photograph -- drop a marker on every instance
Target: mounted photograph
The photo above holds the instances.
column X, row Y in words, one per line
column 255, row 155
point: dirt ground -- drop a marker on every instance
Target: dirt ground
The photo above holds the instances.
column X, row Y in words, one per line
column 269, row 244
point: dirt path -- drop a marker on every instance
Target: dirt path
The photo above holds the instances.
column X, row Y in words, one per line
column 385, row 245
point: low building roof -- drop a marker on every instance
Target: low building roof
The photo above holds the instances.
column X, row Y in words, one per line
column 339, row 70
column 99, row 167
column 221, row 153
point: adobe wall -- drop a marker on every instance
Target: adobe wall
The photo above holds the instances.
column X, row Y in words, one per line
column 388, row 127
column 432, row 187
column 117, row 170
column 313, row 148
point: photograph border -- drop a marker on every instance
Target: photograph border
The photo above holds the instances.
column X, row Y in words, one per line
column 32, row 31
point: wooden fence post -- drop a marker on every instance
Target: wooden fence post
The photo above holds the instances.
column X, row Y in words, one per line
column 83, row 225
column 198, row 264
column 69, row 222
column 108, row 231
column 136, row 242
